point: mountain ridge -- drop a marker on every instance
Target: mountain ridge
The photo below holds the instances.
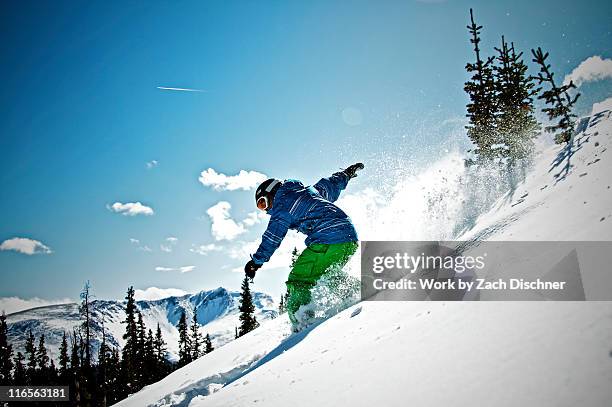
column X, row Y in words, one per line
column 216, row 311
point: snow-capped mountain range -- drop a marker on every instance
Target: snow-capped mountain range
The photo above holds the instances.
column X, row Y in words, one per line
column 216, row 311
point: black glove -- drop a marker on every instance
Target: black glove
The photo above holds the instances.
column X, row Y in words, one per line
column 250, row 268
column 351, row 171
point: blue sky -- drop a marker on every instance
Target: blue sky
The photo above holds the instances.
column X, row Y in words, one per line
column 82, row 115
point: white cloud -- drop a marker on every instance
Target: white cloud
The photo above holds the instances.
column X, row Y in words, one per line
column 254, row 218
column 243, row 250
column 155, row 293
column 182, row 269
column 152, row 164
column 205, row 249
column 131, row 209
column 16, row 304
column 169, row 245
column 223, row 226
column 245, row 180
column 25, row 246
column 139, row 246
column 592, row 69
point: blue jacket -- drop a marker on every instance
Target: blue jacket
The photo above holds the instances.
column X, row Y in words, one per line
column 308, row 210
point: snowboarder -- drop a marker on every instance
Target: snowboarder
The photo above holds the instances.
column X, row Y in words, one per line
column 331, row 237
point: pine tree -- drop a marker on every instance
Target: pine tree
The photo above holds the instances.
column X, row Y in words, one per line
column 102, row 371
column 150, row 361
column 6, row 353
column 248, row 322
column 129, row 354
column 87, row 372
column 30, row 349
column 294, row 256
column 236, row 332
column 85, row 384
column 516, row 124
column 20, row 376
column 75, row 362
column 42, row 358
column 85, row 312
column 558, row 97
column 195, row 338
column 113, row 384
column 208, row 347
column 281, row 305
column 42, row 361
column 159, row 346
column 75, row 367
column 184, row 345
column 482, row 107
column 64, row 360
column 141, row 355
column 52, row 375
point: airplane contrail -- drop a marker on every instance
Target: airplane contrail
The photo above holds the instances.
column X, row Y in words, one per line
column 181, row 89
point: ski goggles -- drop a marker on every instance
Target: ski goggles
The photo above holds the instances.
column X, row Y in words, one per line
column 263, row 204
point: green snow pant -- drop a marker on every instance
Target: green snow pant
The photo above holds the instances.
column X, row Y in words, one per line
column 315, row 261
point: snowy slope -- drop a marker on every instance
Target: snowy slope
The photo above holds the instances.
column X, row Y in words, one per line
column 572, row 203
column 438, row 353
column 217, row 314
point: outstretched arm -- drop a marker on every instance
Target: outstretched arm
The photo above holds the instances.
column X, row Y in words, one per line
column 330, row 187
column 271, row 239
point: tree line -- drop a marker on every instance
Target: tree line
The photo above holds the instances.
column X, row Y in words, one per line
column 502, row 123
column 116, row 373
